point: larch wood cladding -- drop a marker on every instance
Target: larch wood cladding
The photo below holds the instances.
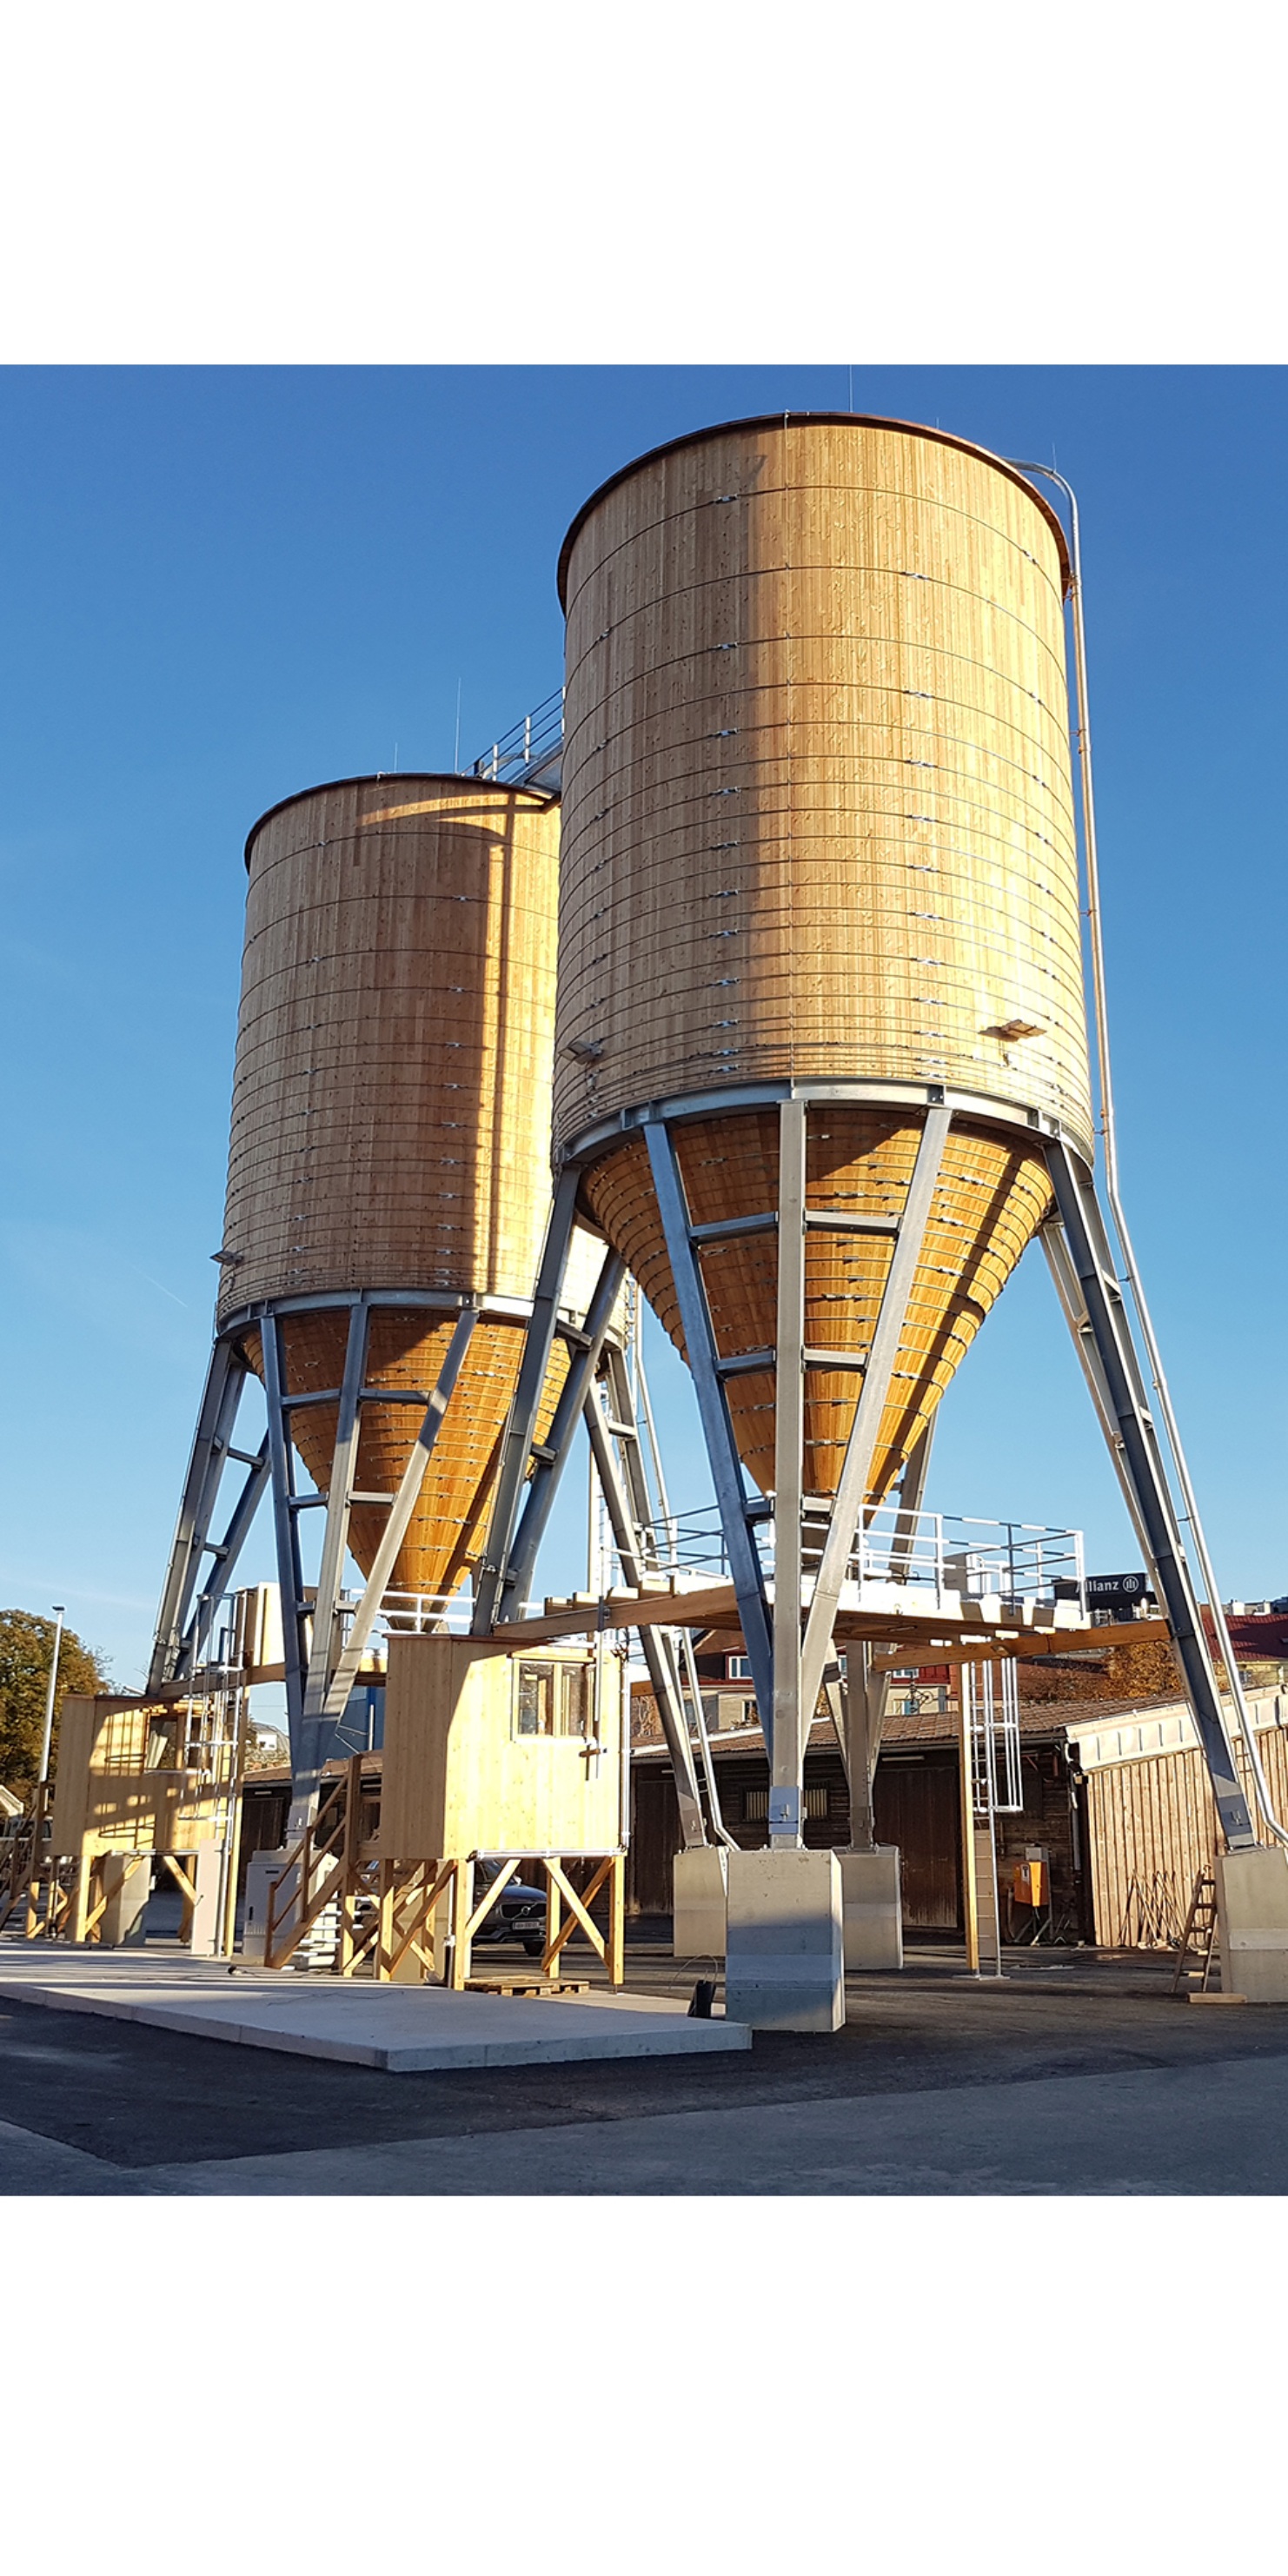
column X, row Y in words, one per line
column 457, row 1775
column 391, row 1099
column 818, row 826
column 992, row 1194
column 391, row 1118
column 817, row 807
column 1153, row 1827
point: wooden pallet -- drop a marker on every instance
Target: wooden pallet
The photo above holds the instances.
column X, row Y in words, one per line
column 521, row 1985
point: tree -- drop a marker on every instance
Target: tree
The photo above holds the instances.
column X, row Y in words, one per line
column 26, row 1647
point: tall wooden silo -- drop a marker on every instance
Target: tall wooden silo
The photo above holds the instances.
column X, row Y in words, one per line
column 818, row 833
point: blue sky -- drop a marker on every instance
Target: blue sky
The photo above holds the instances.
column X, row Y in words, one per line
column 221, row 585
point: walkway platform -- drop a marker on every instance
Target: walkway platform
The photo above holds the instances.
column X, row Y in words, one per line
column 401, row 2030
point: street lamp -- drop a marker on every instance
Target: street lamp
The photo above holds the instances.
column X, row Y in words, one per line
column 49, row 1696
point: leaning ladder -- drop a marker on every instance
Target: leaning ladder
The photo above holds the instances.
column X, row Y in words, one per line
column 1199, row 1934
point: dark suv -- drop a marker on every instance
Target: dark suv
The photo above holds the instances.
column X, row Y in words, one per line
column 519, row 1913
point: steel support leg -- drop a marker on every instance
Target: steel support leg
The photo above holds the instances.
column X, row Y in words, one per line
column 791, row 1715
column 317, row 1727
column 641, row 1429
column 552, row 1458
column 713, row 1409
column 626, row 1430
column 653, row 1644
column 1119, row 1391
column 521, row 1429
column 225, row 1378
column 867, row 1695
column 911, row 1490
column 286, row 1532
column 864, row 1430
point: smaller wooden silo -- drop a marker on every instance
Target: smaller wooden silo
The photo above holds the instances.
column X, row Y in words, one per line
column 391, row 1125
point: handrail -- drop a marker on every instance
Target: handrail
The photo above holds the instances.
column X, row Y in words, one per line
column 530, row 745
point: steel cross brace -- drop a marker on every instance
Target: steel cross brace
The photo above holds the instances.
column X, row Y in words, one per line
column 196, row 1638
column 630, row 1450
column 519, row 1557
column 1097, row 1314
column 521, row 1429
column 655, row 1645
column 286, row 1533
column 317, row 1727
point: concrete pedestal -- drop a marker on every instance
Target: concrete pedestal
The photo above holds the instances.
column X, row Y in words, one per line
column 207, row 1878
column 127, row 1884
column 783, row 1956
column 699, row 1896
column 1252, row 1923
column 872, row 1909
column 263, row 1871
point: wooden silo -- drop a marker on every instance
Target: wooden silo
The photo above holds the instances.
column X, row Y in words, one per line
column 391, row 1122
column 818, row 837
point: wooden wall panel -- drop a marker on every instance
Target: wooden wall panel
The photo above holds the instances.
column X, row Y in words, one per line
column 1153, row 1827
column 457, row 1778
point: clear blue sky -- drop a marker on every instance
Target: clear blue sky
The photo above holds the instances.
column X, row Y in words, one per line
column 221, row 585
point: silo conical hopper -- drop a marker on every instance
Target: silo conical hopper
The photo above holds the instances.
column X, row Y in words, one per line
column 818, row 839
column 390, row 1127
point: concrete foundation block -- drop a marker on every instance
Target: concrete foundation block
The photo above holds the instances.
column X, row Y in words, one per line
column 127, row 1885
column 1252, row 1923
column 872, row 1907
column 207, row 1878
column 783, row 1956
column 699, row 1898
column 263, row 1872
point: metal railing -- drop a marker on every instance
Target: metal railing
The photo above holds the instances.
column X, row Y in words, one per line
column 933, row 1557
column 531, row 747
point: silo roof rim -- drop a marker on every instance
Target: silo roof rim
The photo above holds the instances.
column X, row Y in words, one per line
column 784, row 420
column 400, row 778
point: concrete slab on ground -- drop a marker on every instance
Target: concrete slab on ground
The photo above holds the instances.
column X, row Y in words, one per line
column 399, row 2030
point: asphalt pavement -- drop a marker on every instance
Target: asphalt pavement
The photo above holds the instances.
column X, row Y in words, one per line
column 1072, row 2075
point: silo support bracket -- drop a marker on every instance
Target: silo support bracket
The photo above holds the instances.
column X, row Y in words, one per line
column 864, row 1430
column 1097, row 1314
column 713, row 1411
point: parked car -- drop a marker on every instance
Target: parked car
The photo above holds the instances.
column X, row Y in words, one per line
column 519, row 1913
